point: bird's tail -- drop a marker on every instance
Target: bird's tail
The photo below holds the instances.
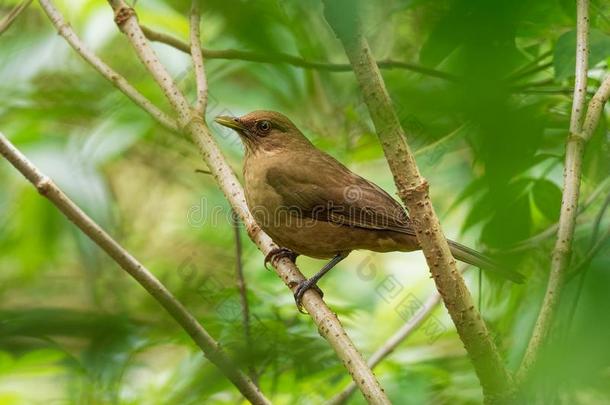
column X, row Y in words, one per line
column 472, row 257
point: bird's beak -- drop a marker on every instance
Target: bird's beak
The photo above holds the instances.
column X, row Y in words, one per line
column 230, row 122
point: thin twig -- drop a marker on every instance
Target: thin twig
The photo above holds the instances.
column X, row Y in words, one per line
column 577, row 139
column 531, row 71
column 413, row 190
column 328, row 323
column 197, row 56
column 394, row 341
column 390, row 345
column 598, row 220
column 583, row 266
column 535, row 240
column 10, row 18
column 592, row 252
column 532, row 64
column 66, row 31
column 243, row 290
column 212, row 350
column 234, row 54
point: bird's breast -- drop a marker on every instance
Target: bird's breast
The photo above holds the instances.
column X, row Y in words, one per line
column 262, row 199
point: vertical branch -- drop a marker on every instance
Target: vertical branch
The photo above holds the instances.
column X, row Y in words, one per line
column 582, row 66
column 328, row 323
column 135, row 269
column 197, row 56
column 413, row 190
column 571, row 190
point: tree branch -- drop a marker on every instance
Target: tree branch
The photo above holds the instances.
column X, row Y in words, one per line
column 135, row 269
column 234, row 54
column 328, row 323
column 413, row 190
column 10, row 18
column 394, row 341
column 579, row 135
column 596, row 108
column 197, row 56
column 65, row 30
column 582, row 66
column 390, row 345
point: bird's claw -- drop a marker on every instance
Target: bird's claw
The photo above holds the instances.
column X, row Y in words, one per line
column 301, row 289
column 279, row 253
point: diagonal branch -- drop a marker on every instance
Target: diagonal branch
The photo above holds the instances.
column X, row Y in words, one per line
column 596, row 109
column 413, row 190
column 234, row 54
column 328, row 323
column 197, row 56
column 390, row 345
column 66, row 31
column 212, row 350
column 394, row 341
column 10, row 18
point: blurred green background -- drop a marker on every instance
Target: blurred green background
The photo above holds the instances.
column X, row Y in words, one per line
column 75, row 329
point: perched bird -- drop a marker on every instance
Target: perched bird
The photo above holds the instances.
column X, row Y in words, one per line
column 311, row 204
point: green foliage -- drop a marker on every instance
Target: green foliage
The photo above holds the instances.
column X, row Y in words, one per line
column 75, row 329
column 564, row 59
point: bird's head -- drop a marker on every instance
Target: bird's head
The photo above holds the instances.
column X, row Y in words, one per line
column 265, row 131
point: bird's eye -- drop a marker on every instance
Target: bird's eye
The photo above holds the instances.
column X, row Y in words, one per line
column 263, row 126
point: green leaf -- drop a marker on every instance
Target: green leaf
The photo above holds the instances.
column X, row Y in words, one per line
column 547, row 197
column 509, row 223
column 564, row 60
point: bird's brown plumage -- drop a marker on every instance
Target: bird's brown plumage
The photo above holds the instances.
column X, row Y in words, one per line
column 312, row 204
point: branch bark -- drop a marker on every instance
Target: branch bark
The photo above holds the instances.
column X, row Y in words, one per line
column 579, row 134
column 328, row 323
column 234, row 54
column 211, row 349
column 197, row 56
column 65, row 30
column 565, row 232
column 582, row 65
column 413, row 190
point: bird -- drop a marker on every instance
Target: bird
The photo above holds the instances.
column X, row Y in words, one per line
column 311, row 204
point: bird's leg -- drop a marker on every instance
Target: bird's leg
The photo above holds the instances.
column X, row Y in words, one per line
column 280, row 253
column 312, row 281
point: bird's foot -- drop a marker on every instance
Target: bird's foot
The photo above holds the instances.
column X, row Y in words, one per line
column 279, row 253
column 302, row 288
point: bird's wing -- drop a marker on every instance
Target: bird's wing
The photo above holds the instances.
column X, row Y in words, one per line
column 322, row 188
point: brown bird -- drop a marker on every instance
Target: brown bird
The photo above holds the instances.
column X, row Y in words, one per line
column 311, row 204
